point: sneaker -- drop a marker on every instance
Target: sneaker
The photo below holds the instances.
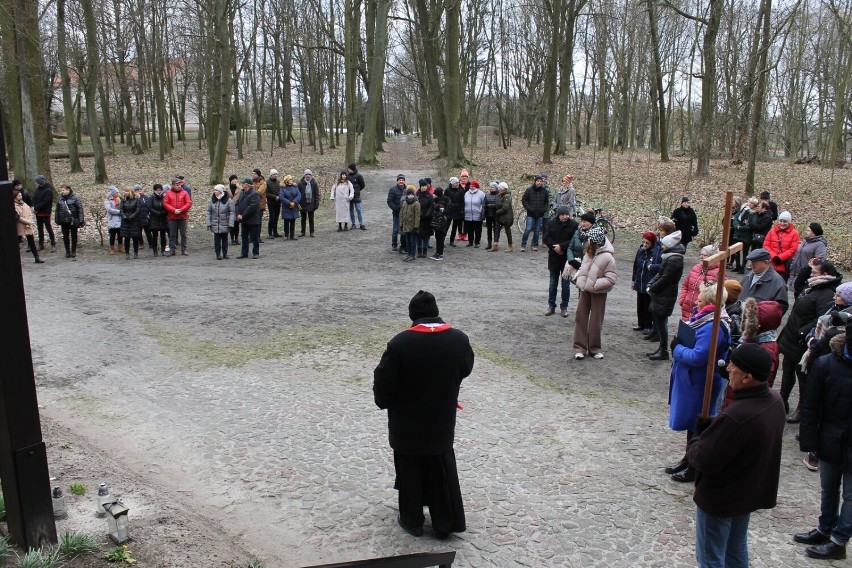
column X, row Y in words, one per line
column 437, row 257
column 564, row 313
column 598, row 355
column 523, row 249
column 534, row 248
column 579, row 356
column 811, row 461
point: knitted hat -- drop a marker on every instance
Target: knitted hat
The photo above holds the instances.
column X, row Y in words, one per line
column 422, row 305
column 257, row 171
column 137, row 187
column 439, row 192
column 758, row 254
column 287, row 180
column 785, row 216
column 40, row 179
column 764, row 194
column 589, row 217
column 684, row 199
column 563, row 210
column 734, row 289
column 247, row 180
column 113, row 190
column 409, row 189
column 494, row 185
column 845, row 291
column 709, row 250
column 232, row 177
column 671, row 240
column 752, row 359
column 651, row 236
column 175, row 180
column 423, row 183
column 219, row 187
column 815, row 228
column 308, row 173
column 543, row 175
column 596, row 235
column 475, row 183
column 273, row 172
column 454, row 180
column 503, row 185
column 400, row 177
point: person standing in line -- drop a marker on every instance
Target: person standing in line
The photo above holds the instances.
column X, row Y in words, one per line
column 25, row 223
column 248, row 214
column 663, row 291
column 474, row 202
column 771, row 206
column 456, row 211
column 566, row 195
column 812, row 247
column 760, row 222
column 131, row 224
column 290, row 197
column 535, row 200
column 737, row 459
column 764, row 283
column 489, row 209
column 235, row 189
column 740, row 232
column 686, row 221
column 113, row 218
column 177, row 204
column 645, row 256
column 440, row 222
column 782, row 241
column 417, row 381
column 409, row 222
column 259, row 183
column 309, row 189
column 694, row 279
column 558, row 233
column 69, row 216
column 596, row 276
column 504, row 216
column 273, row 187
column 427, row 204
column 220, row 215
column 144, row 213
column 342, row 193
column 394, row 201
column 158, row 222
column 43, row 207
column 357, row 181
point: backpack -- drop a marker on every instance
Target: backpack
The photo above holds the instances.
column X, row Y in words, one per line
column 440, row 221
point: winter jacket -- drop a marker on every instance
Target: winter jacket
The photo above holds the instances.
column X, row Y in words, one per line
column 417, row 380
column 686, row 222
column 759, row 223
column 113, row 213
column 409, row 218
column 768, row 286
column 440, row 221
column 689, row 372
column 144, row 209
column 558, row 233
column 759, row 324
column 69, row 210
column 357, row 181
column 290, row 197
column 273, row 189
column 131, row 225
column 642, row 269
column 598, row 274
column 813, row 247
column 395, row 194
column 536, row 201
column 221, row 214
column 827, row 407
column 738, row 457
column 503, row 209
column 568, row 197
column 157, row 218
column 43, row 200
column 248, row 205
column 474, row 202
column 740, row 230
column 341, row 194
column 25, row 219
column 260, row 187
column 663, row 287
column 427, row 205
column 305, row 204
column 690, row 287
column 177, row 198
column 781, row 243
column 575, row 248
column 813, row 302
column 456, row 209
column 490, row 205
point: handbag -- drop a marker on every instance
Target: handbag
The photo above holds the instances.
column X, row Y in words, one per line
column 757, row 240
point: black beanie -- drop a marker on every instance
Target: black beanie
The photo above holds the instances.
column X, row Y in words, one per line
column 422, row 305
column 816, row 229
column 753, row 359
column 589, row 217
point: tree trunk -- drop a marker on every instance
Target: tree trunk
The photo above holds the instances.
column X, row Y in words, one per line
column 67, row 103
column 91, row 88
column 762, row 31
column 657, row 77
column 223, row 27
column 372, row 120
column 708, row 90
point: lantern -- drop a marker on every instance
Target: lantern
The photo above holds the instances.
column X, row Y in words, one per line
column 60, row 508
column 117, row 521
column 102, row 499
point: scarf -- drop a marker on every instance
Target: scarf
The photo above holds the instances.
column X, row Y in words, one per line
column 816, row 281
column 430, row 327
column 705, row 315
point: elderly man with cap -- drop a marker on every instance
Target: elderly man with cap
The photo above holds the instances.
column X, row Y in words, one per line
column 825, row 430
column 812, row 247
column 418, row 381
column 309, row 188
column 177, row 204
column 558, row 233
column 395, row 194
column 249, row 216
column 737, row 458
column 686, row 221
column 764, row 283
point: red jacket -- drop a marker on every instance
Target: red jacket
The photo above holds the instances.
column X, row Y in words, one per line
column 177, row 200
column 783, row 244
column 690, row 288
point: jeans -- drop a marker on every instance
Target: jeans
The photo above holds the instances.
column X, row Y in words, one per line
column 353, row 208
column 176, row 225
column 220, row 244
column 307, row 216
column 721, row 542
column 839, row 525
column 534, row 225
column 411, row 240
column 394, row 229
column 250, row 232
column 555, row 278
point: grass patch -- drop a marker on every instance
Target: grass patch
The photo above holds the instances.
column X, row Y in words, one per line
column 120, row 554
column 76, row 544
column 2, row 507
column 77, row 488
column 39, row 558
column 5, row 548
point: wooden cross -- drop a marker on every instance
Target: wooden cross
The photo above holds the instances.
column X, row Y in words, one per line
column 721, row 258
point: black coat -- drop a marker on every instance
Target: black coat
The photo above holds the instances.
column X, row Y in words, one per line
column 536, row 201
column 827, row 409
column 69, row 210
column 357, row 181
column 803, row 317
column 558, row 233
column 157, row 215
column 642, row 268
column 131, row 225
column 456, row 209
column 43, row 199
column 395, row 194
column 686, row 222
column 145, row 209
column 314, row 204
column 418, row 381
column 273, row 186
column 248, row 205
column 665, row 286
column 427, row 203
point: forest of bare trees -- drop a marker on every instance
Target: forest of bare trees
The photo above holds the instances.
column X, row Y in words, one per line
column 718, row 78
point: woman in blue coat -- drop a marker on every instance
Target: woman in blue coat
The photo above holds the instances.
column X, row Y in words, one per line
column 290, row 196
column 689, row 371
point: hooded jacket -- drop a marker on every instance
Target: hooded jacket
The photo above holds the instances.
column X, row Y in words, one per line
column 113, row 213
column 43, row 200
column 781, row 244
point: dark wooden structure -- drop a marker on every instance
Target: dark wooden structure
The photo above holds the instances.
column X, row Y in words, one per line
column 23, row 456
column 418, row 560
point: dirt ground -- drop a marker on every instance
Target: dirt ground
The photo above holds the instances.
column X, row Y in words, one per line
column 229, row 404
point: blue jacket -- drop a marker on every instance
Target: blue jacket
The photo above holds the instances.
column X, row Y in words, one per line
column 642, row 269
column 395, row 194
column 287, row 195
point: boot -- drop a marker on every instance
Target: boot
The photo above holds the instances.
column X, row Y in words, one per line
column 38, row 260
column 494, row 248
column 677, row 467
column 135, row 255
column 52, row 247
column 796, row 417
column 509, row 248
column 659, row 355
column 127, row 256
column 685, row 476
column 112, row 249
column 345, row 226
column 41, row 246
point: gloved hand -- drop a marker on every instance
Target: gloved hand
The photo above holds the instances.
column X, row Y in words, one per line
column 674, row 343
column 702, row 422
column 575, row 263
column 776, row 259
column 839, row 318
